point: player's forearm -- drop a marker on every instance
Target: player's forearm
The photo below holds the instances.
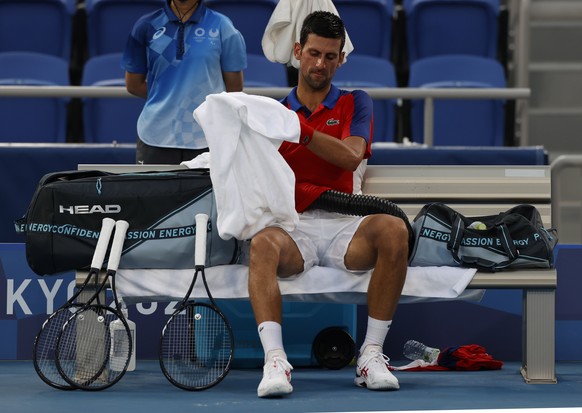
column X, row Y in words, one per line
column 346, row 154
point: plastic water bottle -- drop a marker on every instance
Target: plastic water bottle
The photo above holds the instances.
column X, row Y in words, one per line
column 415, row 350
column 118, row 342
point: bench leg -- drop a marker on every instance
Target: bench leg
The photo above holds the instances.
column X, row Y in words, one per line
column 538, row 364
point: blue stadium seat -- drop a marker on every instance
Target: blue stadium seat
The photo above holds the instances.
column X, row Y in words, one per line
column 109, row 22
column 250, row 17
column 436, row 27
column 261, row 72
column 368, row 72
column 33, row 119
column 459, row 122
column 42, row 26
column 106, row 120
column 369, row 25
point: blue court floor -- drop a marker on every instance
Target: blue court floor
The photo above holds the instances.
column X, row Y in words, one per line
column 315, row 390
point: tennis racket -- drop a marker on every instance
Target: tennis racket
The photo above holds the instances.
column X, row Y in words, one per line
column 88, row 356
column 44, row 350
column 197, row 343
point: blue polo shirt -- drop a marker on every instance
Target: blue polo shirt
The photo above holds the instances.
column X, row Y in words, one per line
column 184, row 64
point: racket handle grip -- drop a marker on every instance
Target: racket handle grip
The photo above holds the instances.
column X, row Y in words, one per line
column 107, row 226
column 117, row 246
column 200, row 245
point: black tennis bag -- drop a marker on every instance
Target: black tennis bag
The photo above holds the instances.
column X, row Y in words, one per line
column 515, row 238
column 64, row 218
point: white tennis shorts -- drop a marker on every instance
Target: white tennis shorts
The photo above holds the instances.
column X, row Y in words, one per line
column 323, row 237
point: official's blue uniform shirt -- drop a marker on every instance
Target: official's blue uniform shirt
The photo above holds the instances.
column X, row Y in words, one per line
column 184, row 64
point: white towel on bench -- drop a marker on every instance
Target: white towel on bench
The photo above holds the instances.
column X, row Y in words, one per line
column 318, row 284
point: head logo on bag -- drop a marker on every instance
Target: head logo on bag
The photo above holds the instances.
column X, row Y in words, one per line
column 90, row 209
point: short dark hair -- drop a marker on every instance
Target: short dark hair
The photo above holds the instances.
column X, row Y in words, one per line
column 324, row 24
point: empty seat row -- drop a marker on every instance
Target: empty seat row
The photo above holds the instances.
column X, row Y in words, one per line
column 104, row 119
column 431, row 26
column 49, row 24
column 45, row 119
column 457, row 122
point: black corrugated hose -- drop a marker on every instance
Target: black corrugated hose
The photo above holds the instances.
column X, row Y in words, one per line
column 362, row 205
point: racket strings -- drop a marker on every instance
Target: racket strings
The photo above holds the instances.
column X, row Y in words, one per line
column 196, row 347
column 90, row 353
column 45, row 348
column 44, row 351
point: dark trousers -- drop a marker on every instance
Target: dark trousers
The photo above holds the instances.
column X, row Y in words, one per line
column 146, row 154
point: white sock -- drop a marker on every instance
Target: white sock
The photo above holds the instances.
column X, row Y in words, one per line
column 376, row 332
column 271, row 337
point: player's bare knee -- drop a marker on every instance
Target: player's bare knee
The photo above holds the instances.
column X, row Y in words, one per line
column 264, row 243
column 394, row 236
column 268, row 243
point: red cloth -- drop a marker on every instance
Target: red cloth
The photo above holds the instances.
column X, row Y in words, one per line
column 469, row 357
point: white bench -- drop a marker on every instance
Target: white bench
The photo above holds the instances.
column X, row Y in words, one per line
column 473, row 190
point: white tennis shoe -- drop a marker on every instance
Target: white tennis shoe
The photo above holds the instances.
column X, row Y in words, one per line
column 276, row 376
column 372, row 370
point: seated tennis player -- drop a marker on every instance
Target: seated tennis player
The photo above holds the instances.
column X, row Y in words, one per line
column 336, row 134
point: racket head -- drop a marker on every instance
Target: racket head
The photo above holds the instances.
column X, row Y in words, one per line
column 196, row 347
column 94, row 348
column 45, row 345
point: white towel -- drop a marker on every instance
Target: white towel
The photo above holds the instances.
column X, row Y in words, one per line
column 200, row 161
column 253, row 185
column 316, row 284
column 284, row 28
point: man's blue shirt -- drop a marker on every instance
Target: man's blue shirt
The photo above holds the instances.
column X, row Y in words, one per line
column 184, row 64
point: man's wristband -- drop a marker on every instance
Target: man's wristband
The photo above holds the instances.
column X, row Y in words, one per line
column 306, row 134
